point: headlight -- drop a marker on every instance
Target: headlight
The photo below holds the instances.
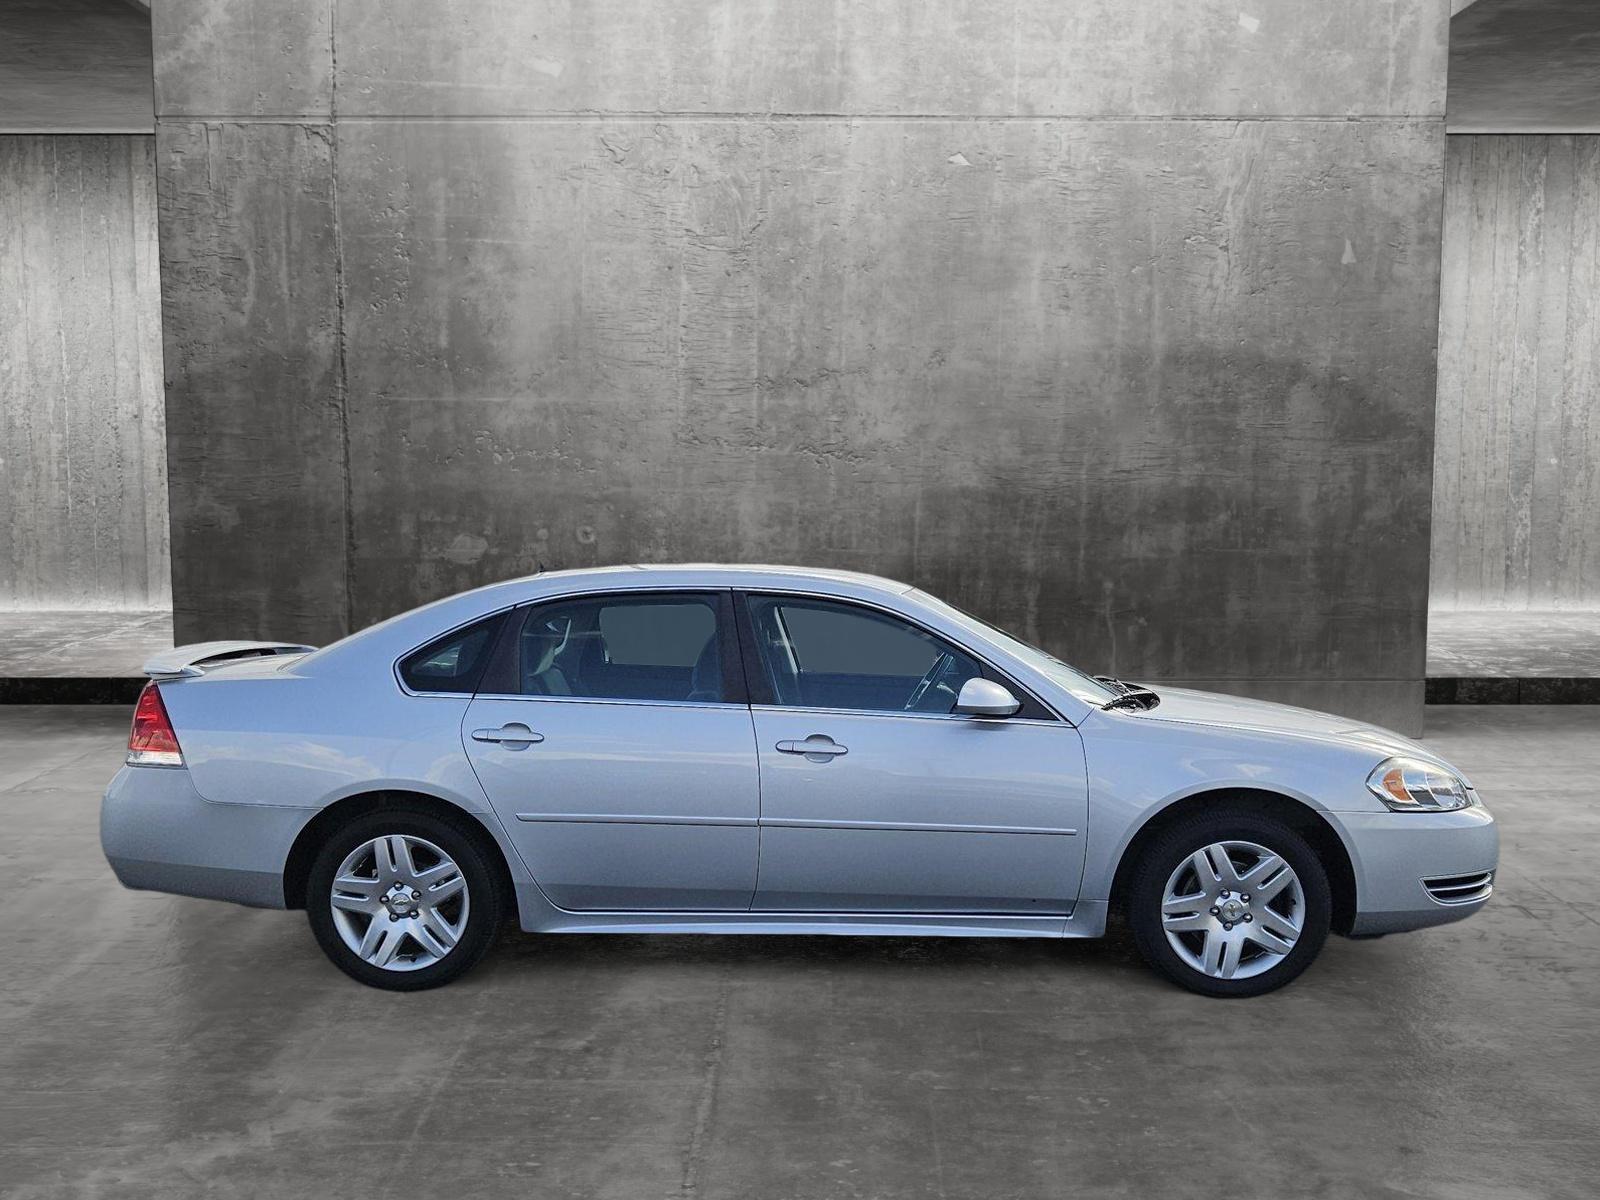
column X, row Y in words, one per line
column 1412, row 785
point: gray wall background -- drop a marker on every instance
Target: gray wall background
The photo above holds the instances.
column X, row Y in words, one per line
column 1112, row 321
column 1517, row 469
column 83, row 497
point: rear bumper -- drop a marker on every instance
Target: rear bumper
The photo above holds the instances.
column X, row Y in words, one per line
column 159, row 834
column 1395, row 852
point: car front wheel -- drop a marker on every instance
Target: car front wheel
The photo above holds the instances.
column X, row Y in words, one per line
column 1230, row 904
column 402, row 900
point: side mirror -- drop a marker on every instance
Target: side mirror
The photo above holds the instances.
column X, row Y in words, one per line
column 985, row 698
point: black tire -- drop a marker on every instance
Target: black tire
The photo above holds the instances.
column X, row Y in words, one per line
column 484, row 895
column 1174, row 847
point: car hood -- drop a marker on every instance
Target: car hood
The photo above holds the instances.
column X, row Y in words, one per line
column 1183, row 705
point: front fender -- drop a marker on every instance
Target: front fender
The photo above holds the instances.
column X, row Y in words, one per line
column 1139, row 770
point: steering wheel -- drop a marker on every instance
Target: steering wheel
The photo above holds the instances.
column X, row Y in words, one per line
column 939, row 664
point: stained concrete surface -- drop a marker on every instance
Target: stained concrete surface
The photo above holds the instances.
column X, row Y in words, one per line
column 1111, row 322
column 161, row 1047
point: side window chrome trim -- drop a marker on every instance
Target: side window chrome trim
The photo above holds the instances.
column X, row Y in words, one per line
column 890, row 715
column 611, row 700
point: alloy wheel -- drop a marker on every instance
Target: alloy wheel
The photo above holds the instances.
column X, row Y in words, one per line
column 1233, row 909
column 399, row 902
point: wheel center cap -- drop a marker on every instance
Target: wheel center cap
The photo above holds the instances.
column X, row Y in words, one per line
column 1232, row 909
column 398, row 901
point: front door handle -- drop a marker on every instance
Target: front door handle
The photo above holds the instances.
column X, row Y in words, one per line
column 514, row 736
column 819, row 747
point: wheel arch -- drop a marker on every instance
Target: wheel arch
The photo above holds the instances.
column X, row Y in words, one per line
column 297, row 867
column 1298, row 815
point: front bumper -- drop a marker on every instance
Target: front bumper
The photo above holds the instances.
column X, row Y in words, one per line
column 160, row 834
column 1393, row 853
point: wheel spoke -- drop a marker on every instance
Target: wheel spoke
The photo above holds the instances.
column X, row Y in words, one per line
column 1200, row 860
column 1199, row 922
column 1274, row 922
column 1231, row 948
column 357, row 886
column 434, row 932
column 359, row 904
column 1262, row 870
column 440, row 892
column 427, row 940
column 1211, row 954
column 1268, row 940
column 440, row 928
column 383, row 938
column 1223, row 865
column 404, row 865
column 383, row 857
column 1174, row 905
column 1273, row 884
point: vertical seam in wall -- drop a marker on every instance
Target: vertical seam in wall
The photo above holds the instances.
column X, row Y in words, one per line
column 1433, row 430
column 342, row 383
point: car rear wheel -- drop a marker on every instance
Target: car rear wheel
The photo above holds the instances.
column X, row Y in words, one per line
column 1230, row 904
column 402, row 900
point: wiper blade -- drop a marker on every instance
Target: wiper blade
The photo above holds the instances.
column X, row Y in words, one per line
column 1141, row 698
column 1131, row 693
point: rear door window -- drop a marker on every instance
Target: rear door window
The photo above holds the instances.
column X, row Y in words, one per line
column 625, row 647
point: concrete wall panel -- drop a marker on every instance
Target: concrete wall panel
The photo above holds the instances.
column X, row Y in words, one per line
column 218, row 58
column 975, row 294
column 960, row 57
column 1002, row 378
column 83, row 504
column 1517, row 469
column 255, row 416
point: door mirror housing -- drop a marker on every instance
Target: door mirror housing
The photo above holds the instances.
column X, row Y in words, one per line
column 986, row 698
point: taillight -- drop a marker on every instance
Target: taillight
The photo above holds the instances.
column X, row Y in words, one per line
column 151, row 742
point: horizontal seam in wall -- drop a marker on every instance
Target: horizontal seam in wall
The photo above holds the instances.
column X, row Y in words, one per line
column 1505, row 131
column 690, row 117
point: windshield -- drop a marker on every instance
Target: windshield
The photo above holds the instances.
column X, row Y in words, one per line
column 1084, row 687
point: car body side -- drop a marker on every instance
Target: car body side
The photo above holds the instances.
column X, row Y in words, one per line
column 274, row 745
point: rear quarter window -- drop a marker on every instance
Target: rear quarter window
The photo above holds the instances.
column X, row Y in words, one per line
column 455, row 662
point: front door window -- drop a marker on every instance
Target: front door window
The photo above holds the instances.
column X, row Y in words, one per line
column 820, row 654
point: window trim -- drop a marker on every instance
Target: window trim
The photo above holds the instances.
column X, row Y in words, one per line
column 759, row 688
column 504, row 666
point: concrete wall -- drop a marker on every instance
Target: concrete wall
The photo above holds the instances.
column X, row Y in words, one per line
column 1112, row 321
column 1517, row 466
column 83, row 498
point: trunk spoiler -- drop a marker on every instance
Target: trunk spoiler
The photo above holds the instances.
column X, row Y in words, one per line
column 188, row 661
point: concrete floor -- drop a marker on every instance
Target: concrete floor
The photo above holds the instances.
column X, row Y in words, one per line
column 159, row 1047
column 65, row 643
column 1514, row 645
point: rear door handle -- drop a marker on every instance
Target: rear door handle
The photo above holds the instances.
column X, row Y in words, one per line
column 819, row 747
column 514, row 736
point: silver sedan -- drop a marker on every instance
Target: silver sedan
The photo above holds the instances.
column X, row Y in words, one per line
column 769, row 750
